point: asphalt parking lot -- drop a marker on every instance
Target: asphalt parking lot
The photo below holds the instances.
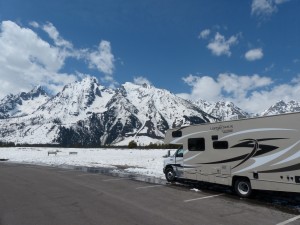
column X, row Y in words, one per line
column 43, row 195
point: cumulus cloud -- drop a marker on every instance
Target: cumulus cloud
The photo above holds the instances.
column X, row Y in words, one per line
column 26, row 60
column 103, row 59
column 203, row 86
column 55, row 36
column 265, row 8
column 253, row 93
column 254, row 54
column 141, row 80
column 204, row 34
column 220, row 46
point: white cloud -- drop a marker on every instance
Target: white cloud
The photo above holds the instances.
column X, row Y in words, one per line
column 204, row 34
column 34, row 24
column 265, row 8
column 26, row 60
column 281, row 1
column 220, row 46
column 54, row 34
column 203, row 86
column 141, row 80
column 103, row 59
column 252, row 93
column 254, row 54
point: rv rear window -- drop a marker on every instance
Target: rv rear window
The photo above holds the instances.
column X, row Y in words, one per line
column 220, row 145
column 196, row 144
column 177, row 133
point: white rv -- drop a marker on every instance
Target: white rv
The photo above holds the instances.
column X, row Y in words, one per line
column 257, row 153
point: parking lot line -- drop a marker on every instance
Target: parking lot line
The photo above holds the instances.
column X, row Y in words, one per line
column 289, row 220
column 152, row 186
column 116, row 179
column 195, row 199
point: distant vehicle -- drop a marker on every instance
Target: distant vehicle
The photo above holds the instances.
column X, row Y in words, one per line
column 258, row 153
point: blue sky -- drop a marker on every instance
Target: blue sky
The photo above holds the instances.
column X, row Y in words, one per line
column 245, row 51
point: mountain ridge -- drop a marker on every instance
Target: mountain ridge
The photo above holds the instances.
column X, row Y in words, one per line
column 85, row 113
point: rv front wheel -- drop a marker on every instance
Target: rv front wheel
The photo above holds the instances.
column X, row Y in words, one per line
column 170, row 175
column 243, row 188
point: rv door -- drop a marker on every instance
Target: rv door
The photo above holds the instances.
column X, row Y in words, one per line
column 179, row 162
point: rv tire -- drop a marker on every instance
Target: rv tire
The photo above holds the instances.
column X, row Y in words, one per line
column 243, row 187
column 170, row 174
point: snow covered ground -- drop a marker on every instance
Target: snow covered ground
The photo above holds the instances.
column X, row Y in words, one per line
column 140, row 161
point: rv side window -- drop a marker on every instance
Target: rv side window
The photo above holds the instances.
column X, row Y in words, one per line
column 220, row 144
column 196, row 144
column 177, row 133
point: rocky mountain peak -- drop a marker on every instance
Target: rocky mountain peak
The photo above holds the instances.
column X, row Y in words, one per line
column 23, row 103
column 224, row 110
column 282, row 107
column 34, row 93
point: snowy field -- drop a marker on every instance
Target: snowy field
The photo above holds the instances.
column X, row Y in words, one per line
column 140, row 161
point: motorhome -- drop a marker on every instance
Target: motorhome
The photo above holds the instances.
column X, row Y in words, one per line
column 256, row 153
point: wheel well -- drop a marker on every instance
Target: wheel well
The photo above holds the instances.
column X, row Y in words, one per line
column 168, row 167
column 235, row 178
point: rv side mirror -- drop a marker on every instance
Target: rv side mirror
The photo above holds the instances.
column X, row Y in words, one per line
column 168, row 154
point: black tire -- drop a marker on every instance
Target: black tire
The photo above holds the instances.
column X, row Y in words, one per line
column 243, row 188
column 170, row 175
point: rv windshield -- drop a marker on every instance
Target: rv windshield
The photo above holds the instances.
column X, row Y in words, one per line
column 179, row 152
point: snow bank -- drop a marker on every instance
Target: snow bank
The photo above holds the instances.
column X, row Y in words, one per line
column 145, row 162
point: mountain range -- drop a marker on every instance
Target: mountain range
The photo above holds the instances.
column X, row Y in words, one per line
column 86, row 113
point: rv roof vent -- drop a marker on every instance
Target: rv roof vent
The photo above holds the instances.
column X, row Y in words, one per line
column 214, row 137
column 177, row 133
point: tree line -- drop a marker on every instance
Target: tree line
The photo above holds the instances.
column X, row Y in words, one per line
column 131, row 145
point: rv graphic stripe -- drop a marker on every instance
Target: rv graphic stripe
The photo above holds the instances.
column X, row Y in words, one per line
column 258, row 161
column 181, row 166
column 283, row 169
column 263, row 149
column 256, row 130
column 255, row 152
column 250, row 143
column 252, row 153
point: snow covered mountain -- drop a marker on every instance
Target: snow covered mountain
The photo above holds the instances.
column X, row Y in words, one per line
column 223, row 110
column 282, row 107
column 23, row 103
column 87, row 114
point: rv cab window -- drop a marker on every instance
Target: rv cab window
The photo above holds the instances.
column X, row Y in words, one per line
column 179, row 152
column 196, row 144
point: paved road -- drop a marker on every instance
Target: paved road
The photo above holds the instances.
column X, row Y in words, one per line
column 34, row 195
